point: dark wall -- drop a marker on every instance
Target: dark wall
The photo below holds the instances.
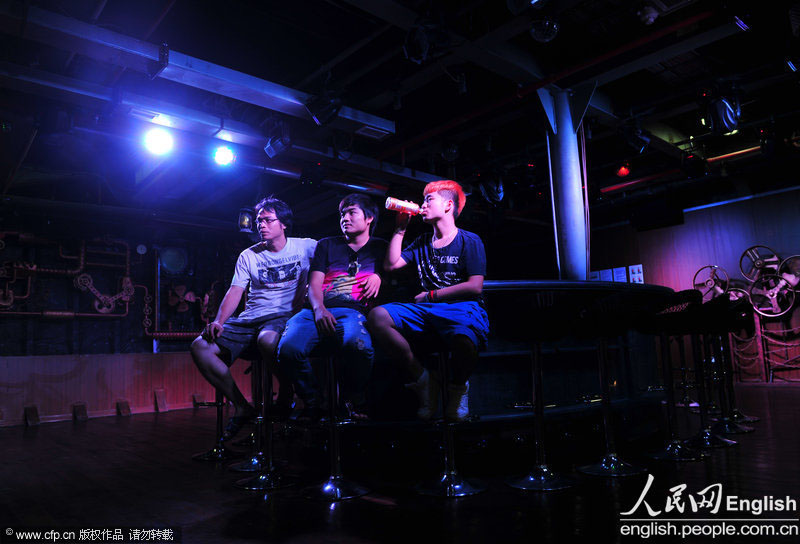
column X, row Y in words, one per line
column 45, row 252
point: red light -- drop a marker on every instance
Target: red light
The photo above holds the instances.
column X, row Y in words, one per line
column 623, row 171
column 531, row 165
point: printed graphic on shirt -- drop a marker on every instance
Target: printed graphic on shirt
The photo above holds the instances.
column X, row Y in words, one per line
column 438, row 268
column 275, row 281
column 346, row 270
column 341, row 287
column 273, row 275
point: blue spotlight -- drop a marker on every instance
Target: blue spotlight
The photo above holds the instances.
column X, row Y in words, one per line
column 224, row 155
column 158, row 141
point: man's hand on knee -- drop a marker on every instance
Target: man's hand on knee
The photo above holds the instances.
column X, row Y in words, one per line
column 212, row 331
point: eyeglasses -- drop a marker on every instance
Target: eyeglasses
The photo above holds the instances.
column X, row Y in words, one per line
column 268, row 220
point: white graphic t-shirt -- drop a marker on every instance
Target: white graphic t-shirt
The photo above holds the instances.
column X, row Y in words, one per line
column 276, row 280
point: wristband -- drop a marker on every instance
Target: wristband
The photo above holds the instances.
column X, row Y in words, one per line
column 430, row 296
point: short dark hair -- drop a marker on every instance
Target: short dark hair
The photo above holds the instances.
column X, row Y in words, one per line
column 280, row 208
column 366, row 204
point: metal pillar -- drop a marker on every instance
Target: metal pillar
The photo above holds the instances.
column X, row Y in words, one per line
column 569, row 215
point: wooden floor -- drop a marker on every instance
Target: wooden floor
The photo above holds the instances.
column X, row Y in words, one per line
column 138, row 472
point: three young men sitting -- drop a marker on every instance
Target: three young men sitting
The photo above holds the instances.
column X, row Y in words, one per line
column 343, row 285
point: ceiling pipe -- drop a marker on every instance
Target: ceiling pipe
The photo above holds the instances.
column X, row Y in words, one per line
column 525, row 91
column 121, row 70
column 159, row 61
column 341, row 57
column 735, row 155
column 93, row 19
column 159, row 112
column 634, row 182
column 742, row 153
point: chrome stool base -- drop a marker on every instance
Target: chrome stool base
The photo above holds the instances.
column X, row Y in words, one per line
column 265, row 481
column 335, row 489
column 706, row 440
column 677, row 451
column 541, row 478
column 739, row 417
column 451, row 484
column 217, row 454
column 611, row 466
column 728, row 426
column 256, row 463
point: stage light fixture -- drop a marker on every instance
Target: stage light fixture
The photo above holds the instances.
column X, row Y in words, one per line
column 647, row 14
column 279, row 140
column 450, row 152
column 724, row 113
column 517, row 7
column 544, row 30
column 636, row 138
column 323, row 109
column 461, row 83
column 158, row 141
column 417, row 45
column 224, row 155
column 623, row 170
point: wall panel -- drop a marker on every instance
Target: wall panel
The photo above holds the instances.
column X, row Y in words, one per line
column 54, row 382
column 717, row 236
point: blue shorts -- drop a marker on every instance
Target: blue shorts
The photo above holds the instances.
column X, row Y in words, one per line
column 443, row 319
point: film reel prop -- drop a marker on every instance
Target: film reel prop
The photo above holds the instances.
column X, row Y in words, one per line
column 711, row 281
column 772, row 295
column 789, row 270
column 756, row 261
column 737, row 293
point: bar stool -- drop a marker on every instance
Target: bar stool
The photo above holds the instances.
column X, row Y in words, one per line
column 256, row 461
column 706, row 438
column 219, row 452
column 609, row 317
column 684, row 386
column 726, row 424
column 541, row 477
column 336, row 487
column 450, row 483
column 673, row 320
column 268, row 476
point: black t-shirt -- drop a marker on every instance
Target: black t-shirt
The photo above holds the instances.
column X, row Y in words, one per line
column 345, row 269
column 454, row 263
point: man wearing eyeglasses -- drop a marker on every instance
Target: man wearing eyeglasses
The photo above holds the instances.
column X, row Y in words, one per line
column 274, row 273
column 343, row 286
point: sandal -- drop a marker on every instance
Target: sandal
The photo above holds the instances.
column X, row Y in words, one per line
column 235, row 425
column 354, row 413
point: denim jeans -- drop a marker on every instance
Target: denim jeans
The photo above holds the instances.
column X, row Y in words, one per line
column 351, row 343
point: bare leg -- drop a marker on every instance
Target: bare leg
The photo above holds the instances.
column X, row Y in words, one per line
column 465, row 359
column 268, row 345
column 388, row 338
column 206, row 356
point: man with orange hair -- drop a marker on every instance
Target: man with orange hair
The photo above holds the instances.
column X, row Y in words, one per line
column 451, row 265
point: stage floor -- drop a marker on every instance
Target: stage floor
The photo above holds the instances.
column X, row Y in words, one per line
column 137, row 472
